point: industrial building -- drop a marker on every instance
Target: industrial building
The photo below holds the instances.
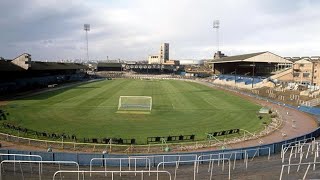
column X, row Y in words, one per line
column 162, row 57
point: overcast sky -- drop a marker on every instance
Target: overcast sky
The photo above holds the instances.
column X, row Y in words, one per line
column 134, row 29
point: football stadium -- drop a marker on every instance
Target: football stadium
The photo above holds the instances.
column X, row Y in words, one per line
column 117, row 112
column 70, row 120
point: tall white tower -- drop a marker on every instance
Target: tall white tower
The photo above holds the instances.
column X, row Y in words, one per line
column 164, row 53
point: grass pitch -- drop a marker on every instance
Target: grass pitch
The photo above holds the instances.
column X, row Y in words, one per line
column 90, row 110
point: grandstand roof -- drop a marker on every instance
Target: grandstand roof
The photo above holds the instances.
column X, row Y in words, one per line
column 239, row 57
column 104, row 64
column 253, row 57
column 6, row 65
column 37, row 65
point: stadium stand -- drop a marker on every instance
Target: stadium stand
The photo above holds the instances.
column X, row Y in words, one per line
column 239, row 80
column 23, row 74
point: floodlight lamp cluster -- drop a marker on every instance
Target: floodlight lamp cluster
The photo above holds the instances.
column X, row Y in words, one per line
column 86, row 27
column 216, row 24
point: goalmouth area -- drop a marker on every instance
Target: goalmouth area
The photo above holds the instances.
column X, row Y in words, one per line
column 135, row 104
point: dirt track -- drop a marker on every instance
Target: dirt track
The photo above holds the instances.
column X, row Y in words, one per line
column 295, row 123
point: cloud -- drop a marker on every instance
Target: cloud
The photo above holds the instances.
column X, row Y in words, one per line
column 132, row 30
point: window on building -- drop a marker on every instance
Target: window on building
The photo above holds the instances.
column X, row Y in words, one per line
column 301, row 65
column 315, row 77
column 296, row 74
column 306, row 75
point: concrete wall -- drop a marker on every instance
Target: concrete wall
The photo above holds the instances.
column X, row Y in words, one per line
column 284, row 76
column 153, row 59
column 23, row 61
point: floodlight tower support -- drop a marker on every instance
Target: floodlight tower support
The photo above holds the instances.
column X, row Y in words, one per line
column 86, row 27
column 216, row 25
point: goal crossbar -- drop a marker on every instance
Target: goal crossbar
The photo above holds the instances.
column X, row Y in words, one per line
column 137, row 103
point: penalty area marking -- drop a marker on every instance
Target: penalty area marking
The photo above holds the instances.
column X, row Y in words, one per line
column 133, row 112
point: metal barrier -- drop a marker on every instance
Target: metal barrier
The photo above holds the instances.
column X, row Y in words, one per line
column 195, row 166
column 120, row 161
column 298, row 164
column 218, row 156
column 164, row 157
column 244, row 153
column 40, row 166
column 112, row 172
column 286, row 146
column 298, row 149
column 20, row 155
column 258, row 150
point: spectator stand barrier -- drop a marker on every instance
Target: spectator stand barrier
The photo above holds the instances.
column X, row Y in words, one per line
column 22, row 157
column 299, row 149
column 122, row 162
column 195, row 166
column 40, row 166
column 286, row 146
column 302, row 154
column 112, row 173
column 237, row 155
column 155, row 159
column 84, row 159
column 298, row 164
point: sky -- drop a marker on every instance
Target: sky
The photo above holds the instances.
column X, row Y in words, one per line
column 134, row 29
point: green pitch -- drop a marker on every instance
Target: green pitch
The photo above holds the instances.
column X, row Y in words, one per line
column 89, row 110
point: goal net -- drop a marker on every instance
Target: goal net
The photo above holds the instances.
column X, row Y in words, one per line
column 136, row 103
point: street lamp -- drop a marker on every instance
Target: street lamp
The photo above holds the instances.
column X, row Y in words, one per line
column 86, row 27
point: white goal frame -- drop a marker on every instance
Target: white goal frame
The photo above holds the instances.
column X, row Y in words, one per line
column 145, row 97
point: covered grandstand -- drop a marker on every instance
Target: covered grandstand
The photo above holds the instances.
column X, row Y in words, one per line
column 137, row 67
column 21, row 74
column 110, row 66
column 261, row 64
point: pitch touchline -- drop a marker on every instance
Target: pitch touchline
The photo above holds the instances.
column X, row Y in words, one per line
column 59, row 106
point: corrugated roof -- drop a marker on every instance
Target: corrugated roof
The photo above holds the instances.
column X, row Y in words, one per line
column 238, row 57
column 36, row 65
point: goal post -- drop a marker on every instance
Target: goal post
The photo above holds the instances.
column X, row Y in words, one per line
column 135, row 103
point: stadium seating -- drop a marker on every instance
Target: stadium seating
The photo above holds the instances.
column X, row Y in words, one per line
column 240, row 78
